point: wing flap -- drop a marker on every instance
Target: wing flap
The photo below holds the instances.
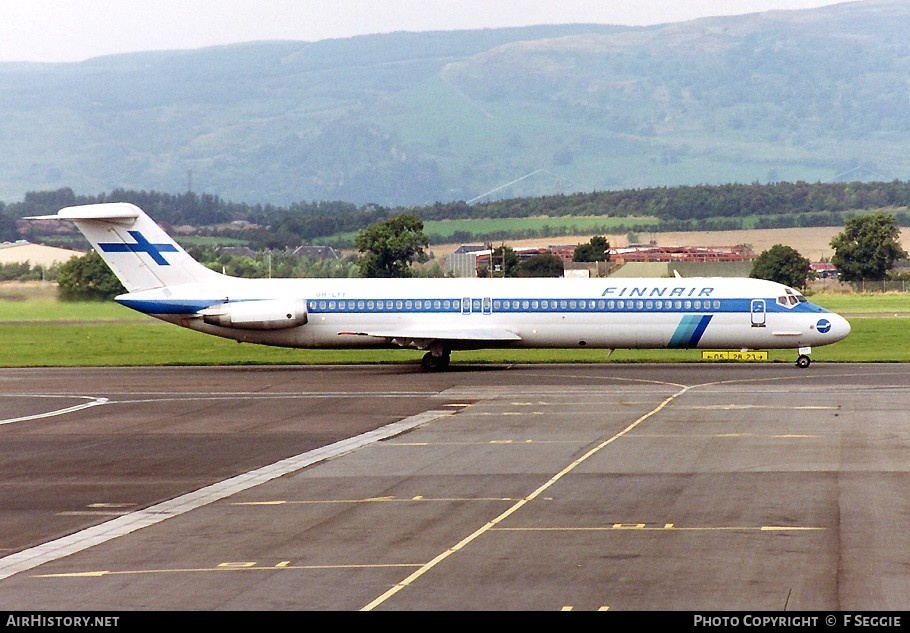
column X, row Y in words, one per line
column 424, row 334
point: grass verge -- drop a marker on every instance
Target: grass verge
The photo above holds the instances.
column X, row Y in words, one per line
column 102, row 334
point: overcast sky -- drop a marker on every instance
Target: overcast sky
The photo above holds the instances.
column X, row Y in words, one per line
column 75, row 30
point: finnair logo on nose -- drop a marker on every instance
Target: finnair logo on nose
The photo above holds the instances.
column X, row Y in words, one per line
column 823, row 326
column 142, row 245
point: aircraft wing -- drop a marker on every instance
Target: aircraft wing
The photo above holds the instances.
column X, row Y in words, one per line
column 421, row 338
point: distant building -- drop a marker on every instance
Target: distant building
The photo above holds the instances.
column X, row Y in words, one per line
column 237, row 251
column 666, row 261
column 316, row 252
column 463, row 261
column 654, row 253
column 467, row 258
column 589, row 269
column 823, row 270
column 565, row 252
column 23, row 251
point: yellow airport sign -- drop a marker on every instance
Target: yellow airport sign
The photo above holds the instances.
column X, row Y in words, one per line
column 744, row 356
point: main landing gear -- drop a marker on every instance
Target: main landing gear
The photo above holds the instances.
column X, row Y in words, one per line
column 435, row 362
column 803, row 361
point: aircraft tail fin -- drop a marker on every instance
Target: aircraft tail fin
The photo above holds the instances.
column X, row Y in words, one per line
column 136, row 249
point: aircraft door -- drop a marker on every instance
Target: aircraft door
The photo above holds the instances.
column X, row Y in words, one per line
column 758, row 313
column 477, row 306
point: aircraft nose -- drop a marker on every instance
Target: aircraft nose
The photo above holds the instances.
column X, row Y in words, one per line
column 840, row 327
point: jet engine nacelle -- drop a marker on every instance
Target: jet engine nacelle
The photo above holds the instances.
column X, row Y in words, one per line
column 265, row 314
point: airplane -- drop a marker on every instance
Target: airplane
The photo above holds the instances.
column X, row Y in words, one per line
column 444, row 315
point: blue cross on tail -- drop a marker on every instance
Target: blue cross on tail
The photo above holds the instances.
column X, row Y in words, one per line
column 142, row 245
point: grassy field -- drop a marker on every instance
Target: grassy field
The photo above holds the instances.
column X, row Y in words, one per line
column 47, row 333
column 593, row 225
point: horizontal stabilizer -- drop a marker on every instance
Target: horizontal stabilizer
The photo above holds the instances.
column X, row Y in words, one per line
column 93, row 212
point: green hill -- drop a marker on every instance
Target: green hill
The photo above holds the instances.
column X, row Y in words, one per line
column 414, row 118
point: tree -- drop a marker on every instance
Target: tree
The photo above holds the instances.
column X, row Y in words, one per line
column 391, row 246
column 543, row 265
column 782, row 264
column 8, row 230
column 867, row 248
column 88, row 278
column 596, row 250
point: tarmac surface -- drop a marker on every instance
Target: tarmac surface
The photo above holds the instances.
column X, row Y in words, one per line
column 621, row 487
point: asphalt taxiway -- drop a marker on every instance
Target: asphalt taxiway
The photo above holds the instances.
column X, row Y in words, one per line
column 624, row 487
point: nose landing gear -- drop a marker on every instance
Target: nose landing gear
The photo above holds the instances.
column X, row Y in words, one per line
column 803, row 360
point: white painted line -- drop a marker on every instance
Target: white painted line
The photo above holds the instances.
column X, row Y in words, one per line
column 95, row 535
column 50, row 414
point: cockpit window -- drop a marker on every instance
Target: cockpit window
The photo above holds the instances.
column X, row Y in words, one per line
column 790, row 298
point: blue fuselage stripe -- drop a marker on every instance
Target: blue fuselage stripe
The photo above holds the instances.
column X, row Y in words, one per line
column 692, row 325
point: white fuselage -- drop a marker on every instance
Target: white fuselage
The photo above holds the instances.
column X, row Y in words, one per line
column 540, row 312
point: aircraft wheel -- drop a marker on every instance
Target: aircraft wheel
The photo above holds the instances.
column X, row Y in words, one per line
column 434, row 363
column 803, row 361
